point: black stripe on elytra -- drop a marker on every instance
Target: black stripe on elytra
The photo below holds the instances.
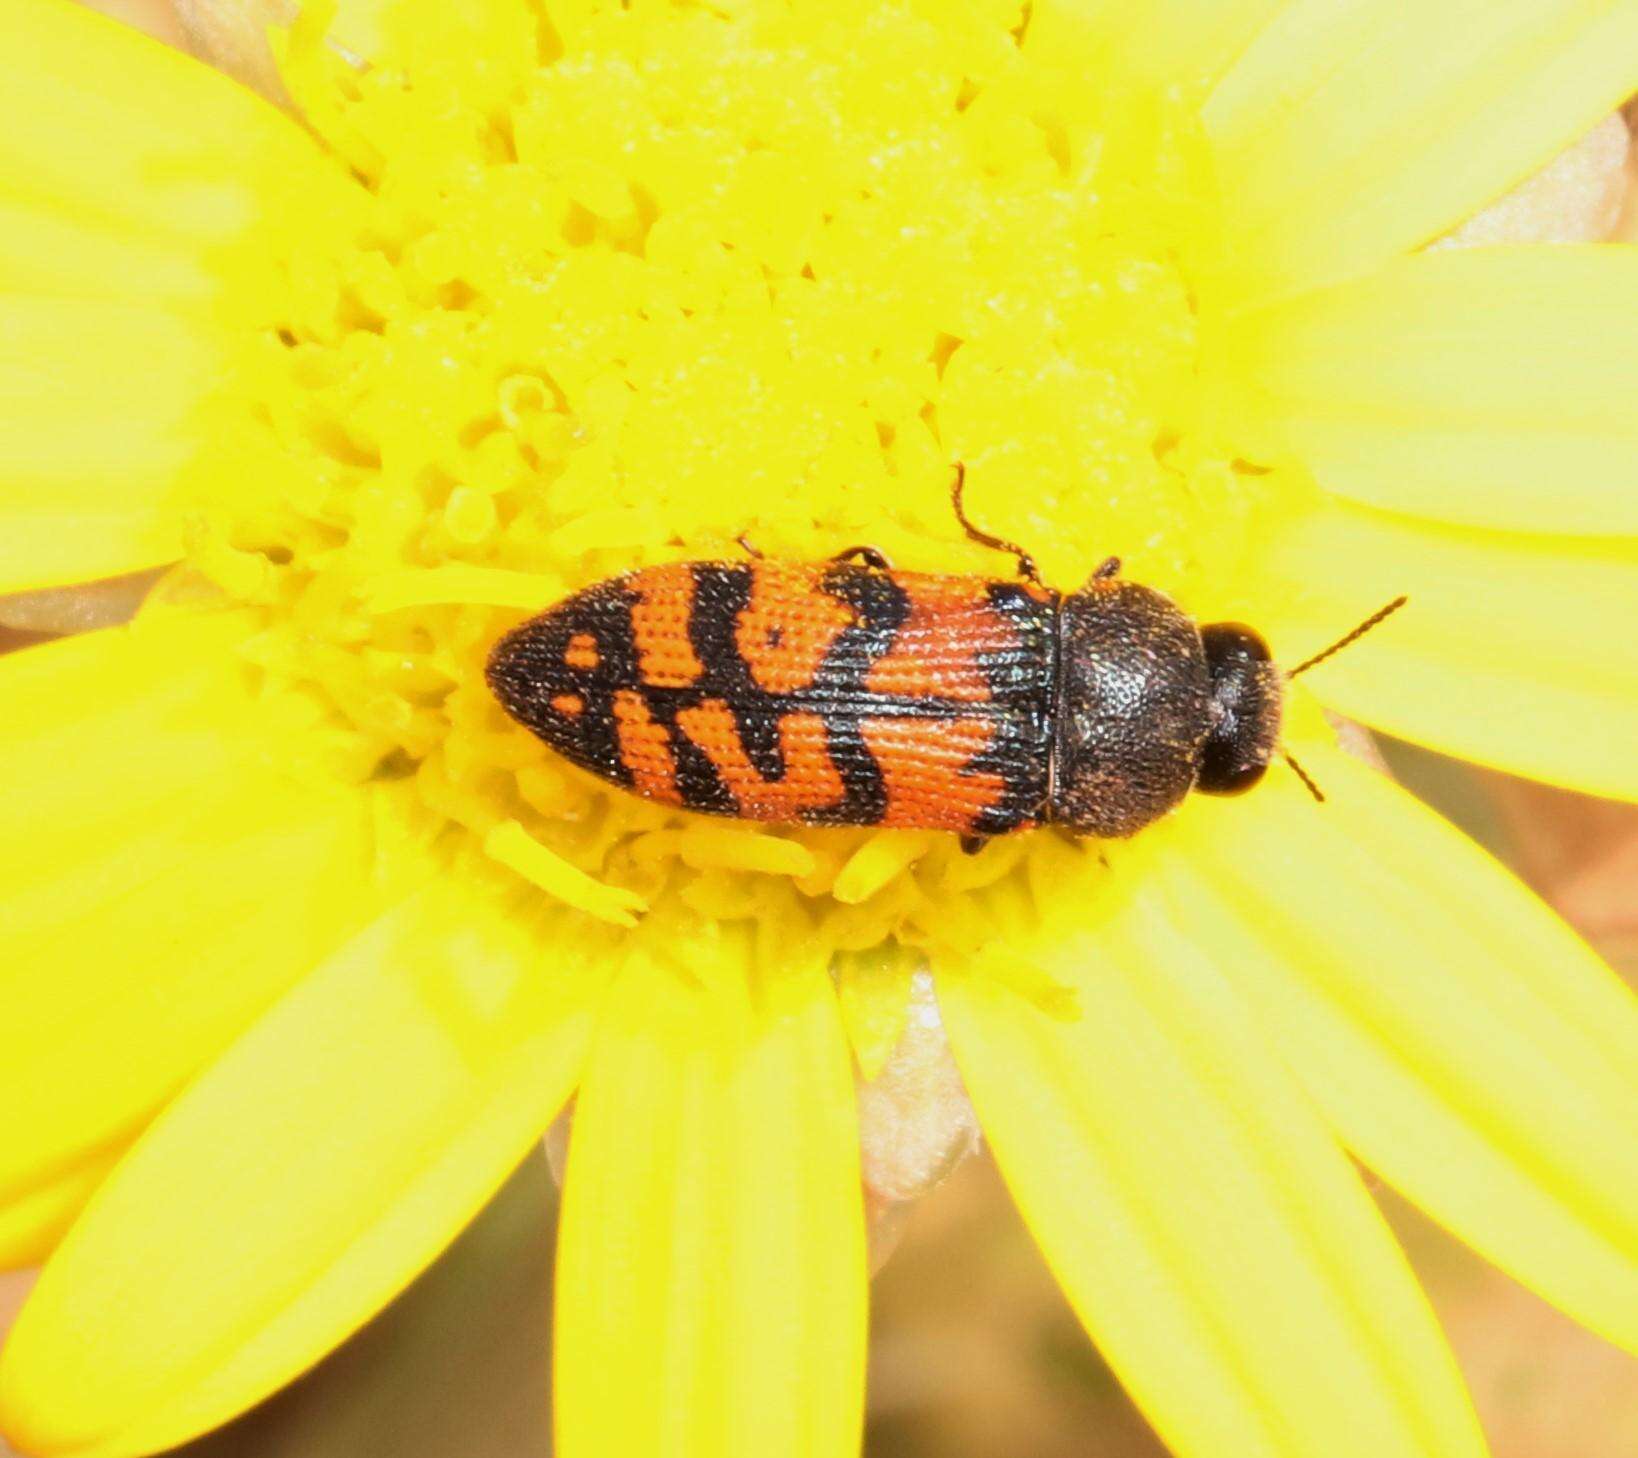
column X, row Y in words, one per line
column 698, row 783
column 699, row 786
column 722, row 591
column 1020, row 678
column 529, row 668
column 880, row 607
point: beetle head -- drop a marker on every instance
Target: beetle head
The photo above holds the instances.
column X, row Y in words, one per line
column 1248, row 695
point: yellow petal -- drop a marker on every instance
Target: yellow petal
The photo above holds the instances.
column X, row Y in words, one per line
column 1211, row 1236
column 134, row 184
column 1172, row 42
column 306, row 1177
column 1495, row 387
column 1350, row 132
column 45, row 253
column 1515, row 651
column 711, row 1276
column 123, row 162
column 1461, row 1040
column 97, row 401
column 32, row 1225
column 164, row 881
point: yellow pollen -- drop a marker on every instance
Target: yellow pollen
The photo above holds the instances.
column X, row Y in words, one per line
column 512, row 846
column 625, row 281
column 877, row 862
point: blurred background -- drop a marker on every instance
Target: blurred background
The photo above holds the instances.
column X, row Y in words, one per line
column 973, row 1351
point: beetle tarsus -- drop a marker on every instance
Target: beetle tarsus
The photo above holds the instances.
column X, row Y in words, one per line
column 868, row 555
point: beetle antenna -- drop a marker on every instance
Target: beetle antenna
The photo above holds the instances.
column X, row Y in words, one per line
column 1378, row 616
column 1026, row 563
column 1304, row 776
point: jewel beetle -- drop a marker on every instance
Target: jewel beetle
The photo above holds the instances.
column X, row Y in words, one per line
column 848, row 693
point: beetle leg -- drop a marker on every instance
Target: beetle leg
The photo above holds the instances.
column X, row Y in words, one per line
column 972, row 844
column 868, row 555
column 1106, row 569
column 744, row 540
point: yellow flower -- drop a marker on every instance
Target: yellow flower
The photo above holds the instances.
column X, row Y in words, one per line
column 306, row 943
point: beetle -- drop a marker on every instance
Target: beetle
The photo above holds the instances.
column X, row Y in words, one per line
column 847, row 693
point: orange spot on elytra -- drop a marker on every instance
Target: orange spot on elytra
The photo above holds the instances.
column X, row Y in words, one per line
column 939, row 650
column 569, row 705
column 788, row 627
column 645, row 748
column 582, row 651
column 810, row 782
column 923, row 763
column 659, row 626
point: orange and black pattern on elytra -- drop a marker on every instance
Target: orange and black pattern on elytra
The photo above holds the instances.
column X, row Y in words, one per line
column 823, row 694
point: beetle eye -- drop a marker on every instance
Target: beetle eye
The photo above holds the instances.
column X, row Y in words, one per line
column 1224, row 769
column 1233, row 643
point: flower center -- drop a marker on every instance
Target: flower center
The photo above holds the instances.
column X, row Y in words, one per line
column 630, row 281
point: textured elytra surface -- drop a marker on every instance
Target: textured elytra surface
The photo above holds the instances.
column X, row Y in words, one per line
column 823, row 694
